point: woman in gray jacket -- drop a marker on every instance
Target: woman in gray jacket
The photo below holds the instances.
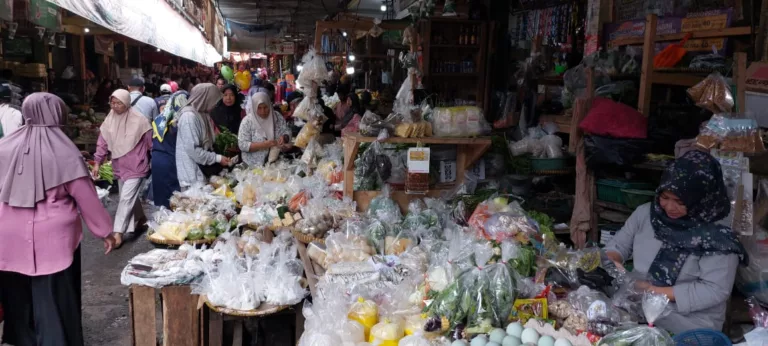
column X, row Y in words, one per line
column 194, row 146
column 676, row 241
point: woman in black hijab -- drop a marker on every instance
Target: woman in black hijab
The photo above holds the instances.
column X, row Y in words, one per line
column 228, row 112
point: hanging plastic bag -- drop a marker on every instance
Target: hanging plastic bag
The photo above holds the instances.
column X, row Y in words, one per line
column 314, row 69
column 553, row 144
column 307, row 134
column 500, row 284
column 713, row 94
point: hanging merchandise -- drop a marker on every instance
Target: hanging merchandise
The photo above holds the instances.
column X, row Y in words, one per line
column 449, row 9
column 670, row 56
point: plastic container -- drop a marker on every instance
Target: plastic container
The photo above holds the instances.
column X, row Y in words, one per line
column 539, row 165
column 636, row 198
column 702, row 337
column 609, row 190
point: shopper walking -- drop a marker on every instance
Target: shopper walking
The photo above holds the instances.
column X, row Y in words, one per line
column 229, row 111
column 164, row 132
column 45, row 195
column 143, row 105
column 195, row 159
column 127, row 136
column 261, row 131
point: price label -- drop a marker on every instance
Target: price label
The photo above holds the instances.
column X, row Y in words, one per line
column 447, row 171
column 418, row 160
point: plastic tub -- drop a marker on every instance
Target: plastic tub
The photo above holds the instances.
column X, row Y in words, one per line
column 702, row 337
column 609, row 190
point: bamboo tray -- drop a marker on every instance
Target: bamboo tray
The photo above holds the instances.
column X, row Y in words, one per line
column 178, row 243
column 262, row 310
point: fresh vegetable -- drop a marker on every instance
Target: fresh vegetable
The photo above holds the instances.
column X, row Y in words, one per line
column 195, row 234
column 106, row 173
column 545, row 222
column 225, row 142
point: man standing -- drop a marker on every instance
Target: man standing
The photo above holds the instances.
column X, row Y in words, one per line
column 143, row 104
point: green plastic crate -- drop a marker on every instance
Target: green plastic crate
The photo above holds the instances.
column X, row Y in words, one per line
column 636, row 198
column 609, row 190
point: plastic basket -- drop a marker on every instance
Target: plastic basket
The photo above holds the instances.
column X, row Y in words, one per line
column 636, row 198
column 702, row 337
column 609, row 190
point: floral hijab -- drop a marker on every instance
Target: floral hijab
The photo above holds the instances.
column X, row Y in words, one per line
column 176, row 102
column 696, row 178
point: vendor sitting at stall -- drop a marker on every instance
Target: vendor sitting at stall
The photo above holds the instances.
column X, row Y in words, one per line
column 675, row 240
column 261, row 130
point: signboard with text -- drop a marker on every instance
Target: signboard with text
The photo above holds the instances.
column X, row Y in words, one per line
column 709, row 20
column 45, row 14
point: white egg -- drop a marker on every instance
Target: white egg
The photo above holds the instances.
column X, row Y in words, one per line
column 479, row 340
column 546, row 340
column 562, row 342
column 515, row 329
column 530, row 335
column 510, row 340
column 497, row 335
column 492, row 344
column 459, row 343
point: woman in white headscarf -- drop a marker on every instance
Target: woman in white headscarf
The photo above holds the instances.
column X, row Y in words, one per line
column 127, row 135
column 194, row 145
column 262, row 130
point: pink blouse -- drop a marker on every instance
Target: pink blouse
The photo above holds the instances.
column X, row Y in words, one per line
column 133, row 165
column 42, row 240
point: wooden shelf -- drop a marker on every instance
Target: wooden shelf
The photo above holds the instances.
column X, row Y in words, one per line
column 468, row 151
column 613, row 206
column 454, row 74
column 563, row 122
column 736, row 31
column 332, row 54
column 458, row 46
column 681, row 79
column 426, row 140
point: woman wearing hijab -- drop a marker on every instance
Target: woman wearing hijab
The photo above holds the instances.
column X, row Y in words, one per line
column 127, row 136
column 228, row 112
column 194, row 148
column 45, row 195
column 262, row 130
column 164, row 131
column 675, row 240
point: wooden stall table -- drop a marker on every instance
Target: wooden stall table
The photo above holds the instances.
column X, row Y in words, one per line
column 213, row 318
column 468, row 151
column 180, row 315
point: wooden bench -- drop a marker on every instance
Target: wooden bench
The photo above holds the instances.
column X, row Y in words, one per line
column 180, row 316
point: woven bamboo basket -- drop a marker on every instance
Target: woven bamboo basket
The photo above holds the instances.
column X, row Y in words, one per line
column 262, row 310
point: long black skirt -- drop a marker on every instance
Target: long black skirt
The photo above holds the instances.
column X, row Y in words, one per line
column 43, row 310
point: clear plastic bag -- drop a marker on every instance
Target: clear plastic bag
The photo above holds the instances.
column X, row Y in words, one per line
column 347, row 248
column 372, row 124
column 307, row 133
column 654, row 306
column 713, row 94
column 314, row 69
column 404, row 98
column 461, row 121
column 501, row 286
column 384, row 208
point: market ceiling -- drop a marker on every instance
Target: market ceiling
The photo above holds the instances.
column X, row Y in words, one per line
column 288, row 19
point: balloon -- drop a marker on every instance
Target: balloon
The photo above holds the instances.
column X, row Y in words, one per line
column 226, row 72
column 243, row 80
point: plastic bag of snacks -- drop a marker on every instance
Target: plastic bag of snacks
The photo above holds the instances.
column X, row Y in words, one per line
column 713, row 94
column 654, row 306
column 462, row 121
column 731, row 132
column 366, row 313
column 307, row 133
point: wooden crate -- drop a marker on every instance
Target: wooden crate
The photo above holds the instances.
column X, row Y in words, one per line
column 180, row 316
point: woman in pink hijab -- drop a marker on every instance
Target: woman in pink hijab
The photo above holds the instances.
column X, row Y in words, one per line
column 45, row 195
column 127, row 136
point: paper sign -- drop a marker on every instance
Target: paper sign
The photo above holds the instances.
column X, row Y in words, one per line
column 418, row 160
column 447, row 171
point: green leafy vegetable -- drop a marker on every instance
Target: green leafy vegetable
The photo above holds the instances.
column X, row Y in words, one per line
column 225, row 141
column 106, row 173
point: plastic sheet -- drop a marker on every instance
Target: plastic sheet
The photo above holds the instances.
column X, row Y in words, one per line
column 654, row 306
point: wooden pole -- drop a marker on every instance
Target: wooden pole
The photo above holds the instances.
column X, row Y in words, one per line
column 646, row 77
